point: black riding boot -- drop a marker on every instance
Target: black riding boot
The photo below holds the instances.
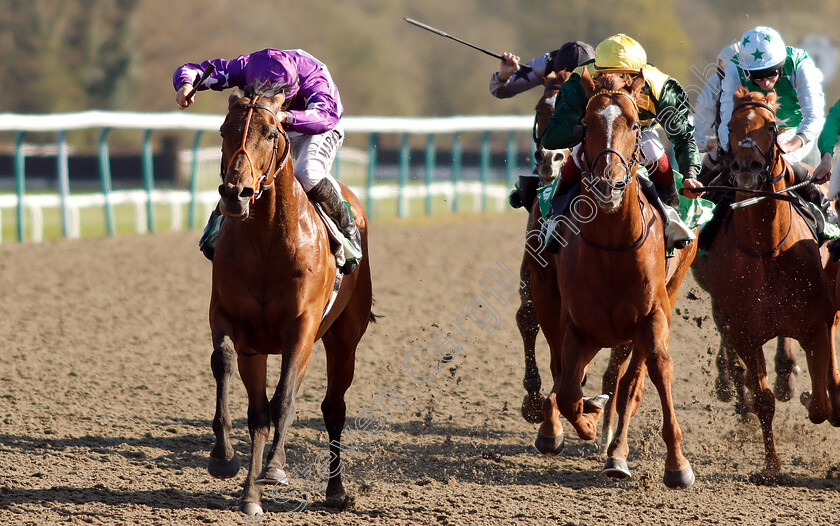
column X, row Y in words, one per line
column 206, row 248
column 812, row 193
column 324, row 194
column 525, row 192
column 552, row 244
column 668, row 193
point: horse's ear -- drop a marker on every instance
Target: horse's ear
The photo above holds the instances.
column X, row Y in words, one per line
column 587, row 83
column 234, row 97
column 637, row 84
column 772, row 98
column 550, row 78
column 278, row 101
column 740, row 93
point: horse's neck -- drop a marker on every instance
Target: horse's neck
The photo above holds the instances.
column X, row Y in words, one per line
column 616, row 228
column 278, row 213
column 763, row 226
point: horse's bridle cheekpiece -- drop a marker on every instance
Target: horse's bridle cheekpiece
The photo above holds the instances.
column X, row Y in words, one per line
column 265, row 181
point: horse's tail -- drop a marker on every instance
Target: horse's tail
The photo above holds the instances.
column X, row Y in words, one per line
column 374, row 317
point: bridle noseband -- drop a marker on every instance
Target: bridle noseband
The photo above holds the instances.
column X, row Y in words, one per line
column 266, row 180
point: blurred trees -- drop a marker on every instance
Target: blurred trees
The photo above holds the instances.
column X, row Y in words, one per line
column 73, row 55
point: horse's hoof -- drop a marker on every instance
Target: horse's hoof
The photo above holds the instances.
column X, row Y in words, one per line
column 272, row 477
column 223, row 469
column 550, row 445
column 532, row 408
column 806, row 398
column 679, row 479
column 616, row 468
column 251, row 509
column 723, row 389
column 784, row 389
column 598, row 402
column 340, row 502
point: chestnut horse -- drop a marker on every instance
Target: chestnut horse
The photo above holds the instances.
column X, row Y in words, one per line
column 767, row 275
column 609, row 286
column 273, row 275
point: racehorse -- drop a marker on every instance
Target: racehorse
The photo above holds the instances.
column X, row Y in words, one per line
column 273, row 275
column 767, row 275
column 609, row 285
column 548, row 165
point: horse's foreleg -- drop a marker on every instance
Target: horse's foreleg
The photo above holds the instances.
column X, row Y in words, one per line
column 582, row 414
column 252, row 369
column 223, row 462
column 529, row 327
column 628, row 397
column 833, row 376
column 786, row 369
column 764, row 402
column 818, row 350
column 618, row 355
column 653, row 342
column 295, row 361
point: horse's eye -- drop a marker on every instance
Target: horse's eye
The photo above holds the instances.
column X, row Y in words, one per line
column 273, row 135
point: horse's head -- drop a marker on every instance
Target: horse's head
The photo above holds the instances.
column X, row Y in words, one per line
column 253, row 143
column 752, row 139
column 612, row 137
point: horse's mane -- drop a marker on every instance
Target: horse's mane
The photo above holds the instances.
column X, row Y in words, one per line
column 258, row 89
column 617, row 82
column 745, row 95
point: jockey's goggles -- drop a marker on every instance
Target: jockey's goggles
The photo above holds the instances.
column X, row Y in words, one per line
column 767, row 73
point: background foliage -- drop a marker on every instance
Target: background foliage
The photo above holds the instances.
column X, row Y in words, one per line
column 73, row 55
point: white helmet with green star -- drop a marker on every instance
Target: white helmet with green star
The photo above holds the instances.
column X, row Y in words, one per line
column 762, row 48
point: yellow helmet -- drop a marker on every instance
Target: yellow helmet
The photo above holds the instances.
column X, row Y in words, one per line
column 619, row 53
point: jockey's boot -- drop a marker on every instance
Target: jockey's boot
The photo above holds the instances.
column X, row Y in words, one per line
column 668, row 193
column 525, row 191
column 552, row 241
column 677, row 235
column 812, row 193
column 207, row 242
column 324, row 193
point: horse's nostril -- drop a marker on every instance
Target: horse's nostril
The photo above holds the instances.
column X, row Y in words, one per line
column 222, row 190
column 246, row 192
column 755, row 166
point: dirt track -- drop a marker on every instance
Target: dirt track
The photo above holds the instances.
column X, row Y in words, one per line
column 106, row 397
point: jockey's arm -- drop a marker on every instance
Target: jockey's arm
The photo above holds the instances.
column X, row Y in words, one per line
column 569, row 110
column 827, row 141
column 808, row 86
column 511, row 80
column 673, row 112
column 705, row 114
column 730, row 84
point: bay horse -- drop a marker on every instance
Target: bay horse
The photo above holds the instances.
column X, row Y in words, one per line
column 767, row 275
column 609, row 286
column 273, row 275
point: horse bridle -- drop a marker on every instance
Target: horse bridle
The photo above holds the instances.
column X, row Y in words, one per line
column 629, row 165
column 629, row 172
column 769, row 156
column 265, row 181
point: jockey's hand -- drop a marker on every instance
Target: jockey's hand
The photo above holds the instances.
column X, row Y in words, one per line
column 822, row 172
column 692, row 183
column 792, row 145
column 181, row 96
column 509, row 65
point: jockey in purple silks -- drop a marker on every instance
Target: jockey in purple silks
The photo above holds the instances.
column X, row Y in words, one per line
column 312, row 117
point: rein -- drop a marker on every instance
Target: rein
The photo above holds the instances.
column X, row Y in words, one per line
column 265, row 181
